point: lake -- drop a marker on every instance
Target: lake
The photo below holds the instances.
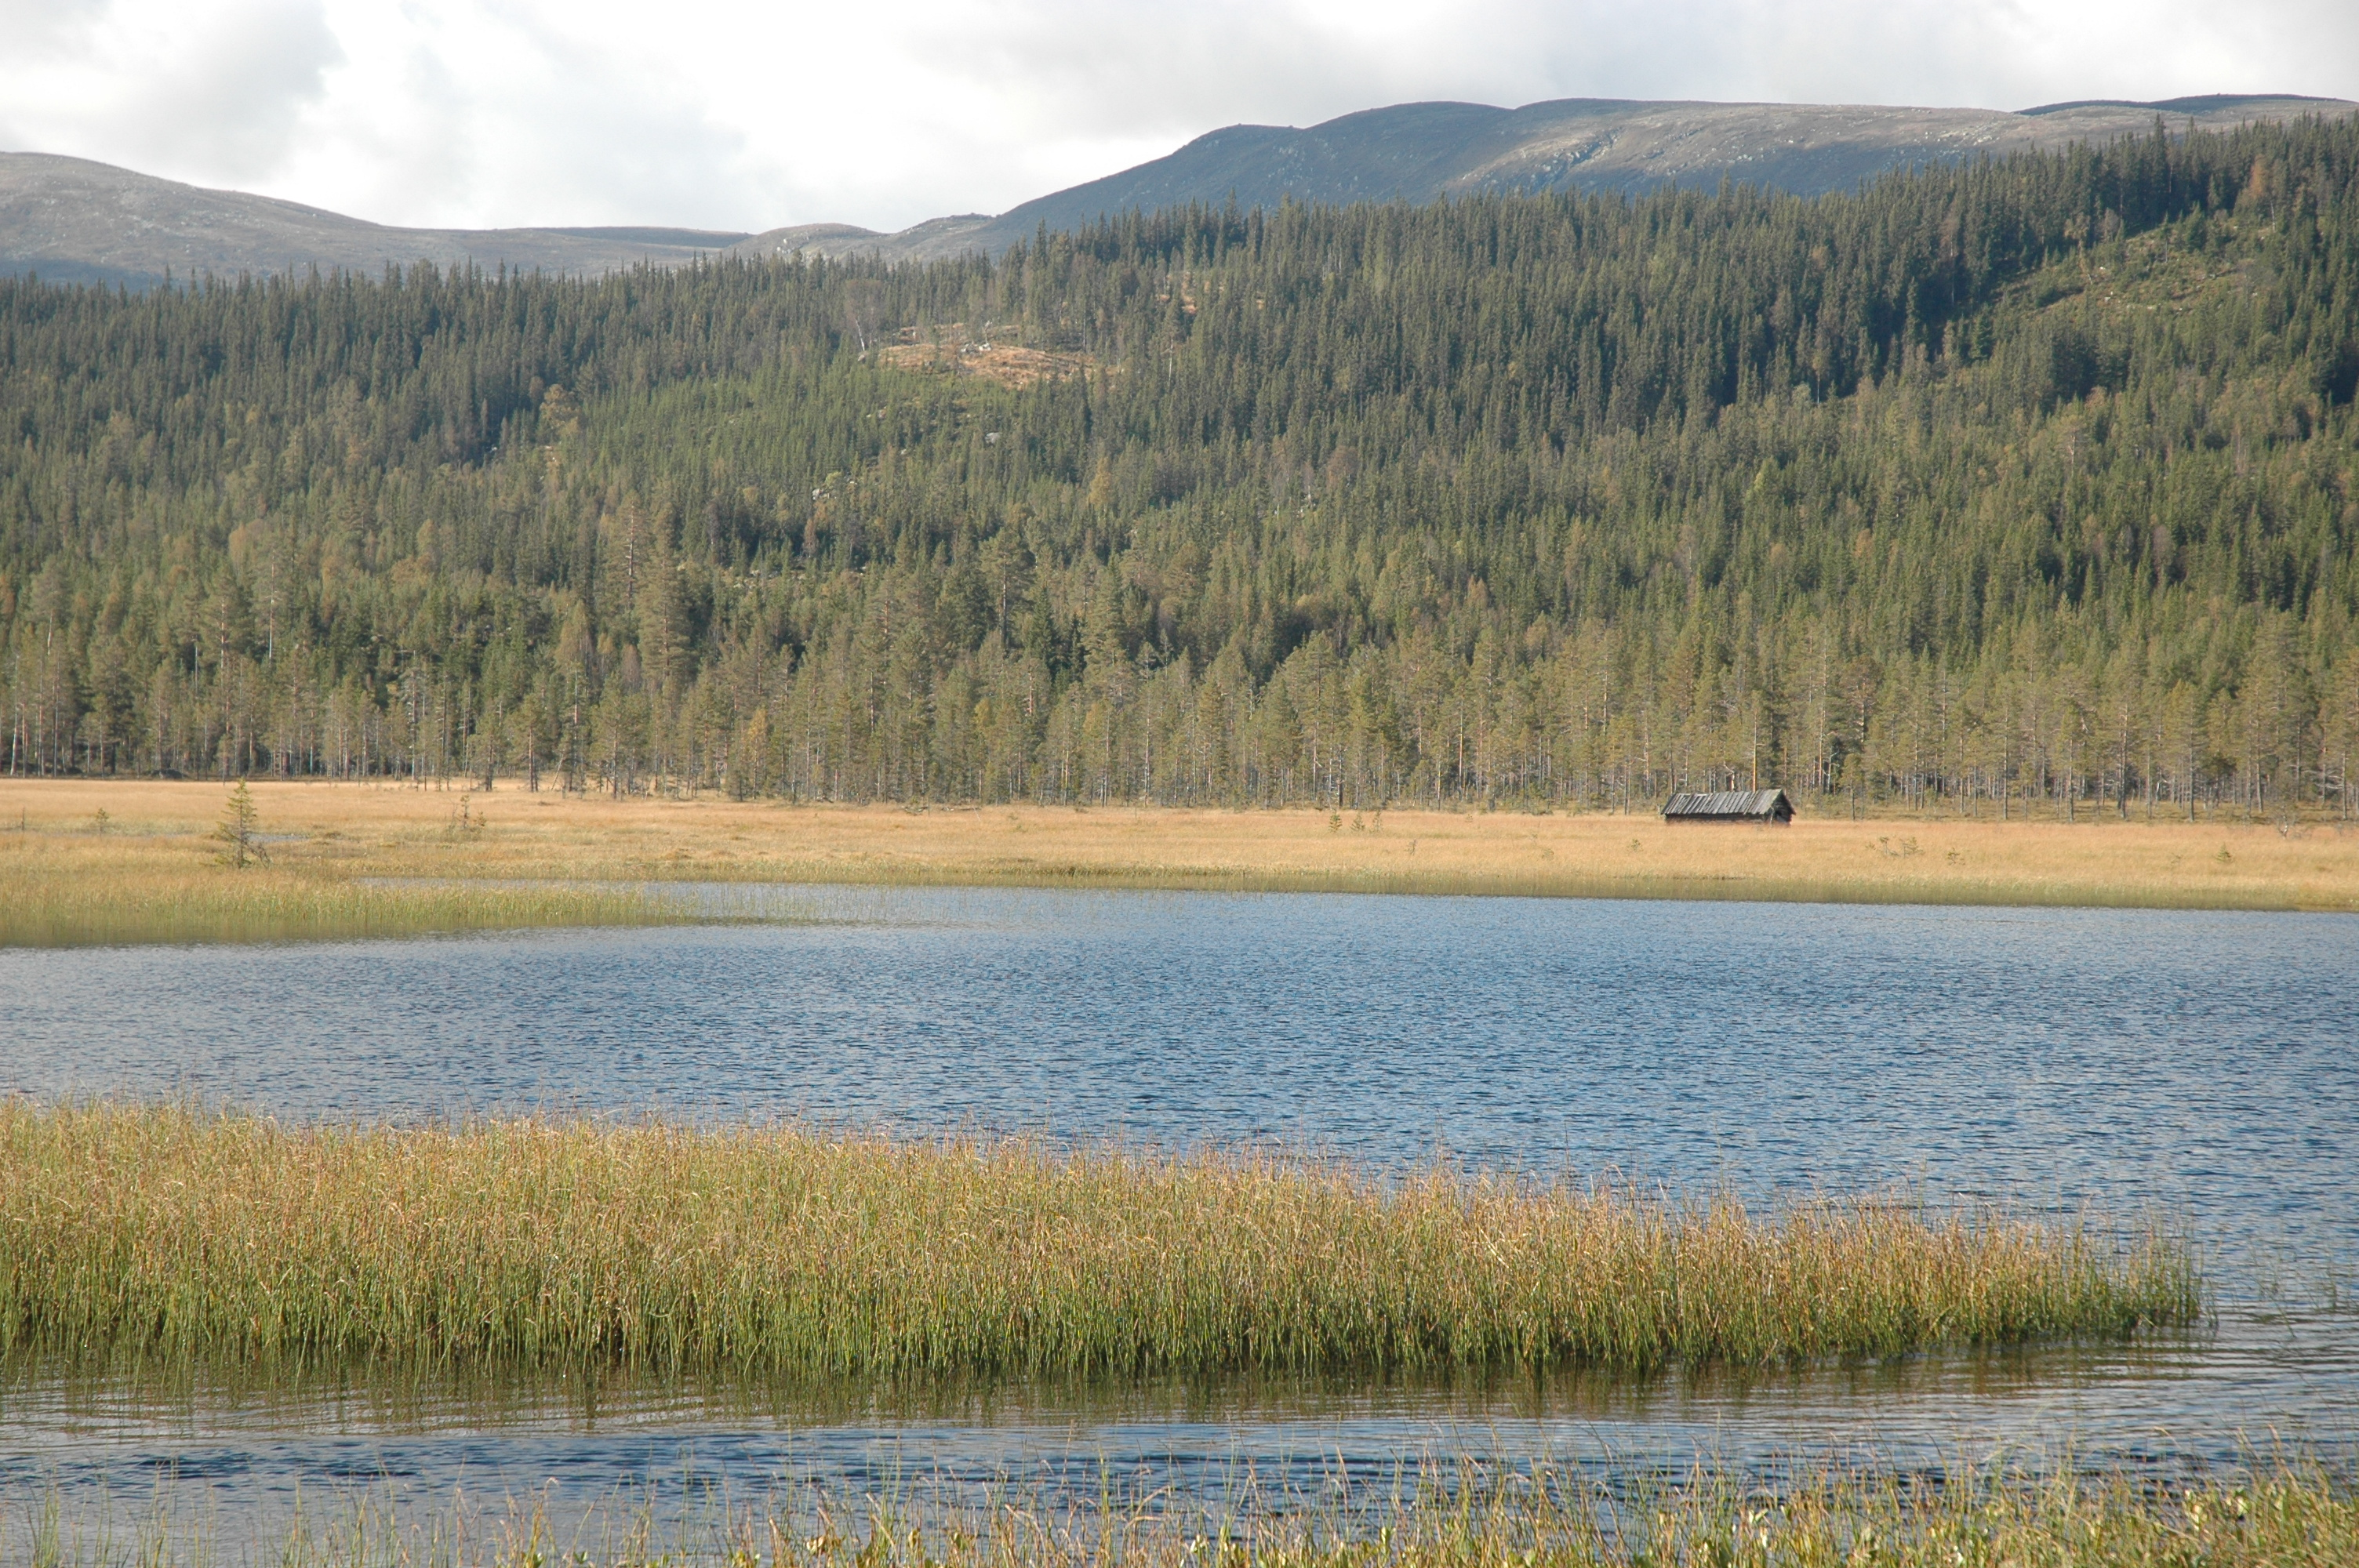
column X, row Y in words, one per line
column 2200, row 1063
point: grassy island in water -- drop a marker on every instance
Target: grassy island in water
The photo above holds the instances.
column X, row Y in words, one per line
column 149, row 1235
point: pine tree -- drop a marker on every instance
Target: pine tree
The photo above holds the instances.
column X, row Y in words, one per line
column 237, row 831
column 2015, row 486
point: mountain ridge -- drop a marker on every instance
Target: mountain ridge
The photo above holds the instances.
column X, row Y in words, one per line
column 75, row 219
column 1424, row 152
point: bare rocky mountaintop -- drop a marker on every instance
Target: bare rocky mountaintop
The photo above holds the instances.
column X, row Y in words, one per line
column 1420, row 152
column 71, row 220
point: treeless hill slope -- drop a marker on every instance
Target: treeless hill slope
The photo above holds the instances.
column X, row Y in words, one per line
column 71, row 220
column 933, row 238
column 1422, row 152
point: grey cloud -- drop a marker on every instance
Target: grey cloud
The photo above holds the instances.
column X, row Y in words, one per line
column 664, row 158
column 572, row 138
column 228, row 108
column 1125, row 68
column 34, row 33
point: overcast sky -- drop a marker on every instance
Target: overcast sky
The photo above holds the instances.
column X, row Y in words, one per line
column 721, row 114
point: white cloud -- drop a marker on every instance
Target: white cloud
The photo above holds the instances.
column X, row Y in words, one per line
column 211, row 92
column 730, row 114
column 488, row 115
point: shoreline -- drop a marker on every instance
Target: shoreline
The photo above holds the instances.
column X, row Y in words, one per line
column 85, row 862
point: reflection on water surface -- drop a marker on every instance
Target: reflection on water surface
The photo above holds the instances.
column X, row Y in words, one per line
column 2199, row 1062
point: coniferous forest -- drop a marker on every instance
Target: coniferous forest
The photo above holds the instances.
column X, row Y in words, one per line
column 2028, row 486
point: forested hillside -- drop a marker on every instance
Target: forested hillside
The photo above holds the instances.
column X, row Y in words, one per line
column 2028, row 486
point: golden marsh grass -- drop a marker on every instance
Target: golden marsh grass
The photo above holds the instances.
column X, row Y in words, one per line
column 145, row 869
column 149, row 1235
column 77, row 892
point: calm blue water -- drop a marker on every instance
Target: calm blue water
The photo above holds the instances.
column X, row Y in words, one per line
column 2202, row 1062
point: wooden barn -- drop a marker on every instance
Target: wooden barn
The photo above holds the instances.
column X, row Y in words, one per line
column 1767, row 806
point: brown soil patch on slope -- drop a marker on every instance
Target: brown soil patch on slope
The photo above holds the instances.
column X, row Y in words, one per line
column 1004, row 363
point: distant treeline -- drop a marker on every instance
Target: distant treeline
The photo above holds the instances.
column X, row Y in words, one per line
column 2031, row 480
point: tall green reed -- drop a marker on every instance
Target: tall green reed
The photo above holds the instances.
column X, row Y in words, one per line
column 164, row 1232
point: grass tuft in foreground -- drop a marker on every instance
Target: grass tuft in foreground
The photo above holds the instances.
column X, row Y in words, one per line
column 168, row 1234
column 2285, row 1518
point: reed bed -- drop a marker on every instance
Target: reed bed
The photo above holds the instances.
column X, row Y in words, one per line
column 94, row 891
column 148, row 1234
column 2285, row 1518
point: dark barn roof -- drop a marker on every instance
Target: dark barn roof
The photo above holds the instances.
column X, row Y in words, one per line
column 1731, row 805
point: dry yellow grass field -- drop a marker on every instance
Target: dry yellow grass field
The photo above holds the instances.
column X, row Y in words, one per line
column 145, row 869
